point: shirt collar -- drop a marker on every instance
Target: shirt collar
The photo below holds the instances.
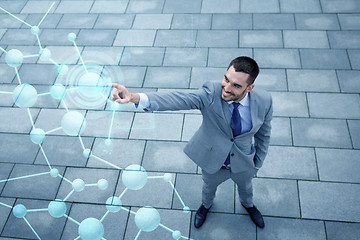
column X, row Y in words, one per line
column 243, row 102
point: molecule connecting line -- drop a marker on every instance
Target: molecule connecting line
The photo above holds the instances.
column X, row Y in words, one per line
column 92, row 85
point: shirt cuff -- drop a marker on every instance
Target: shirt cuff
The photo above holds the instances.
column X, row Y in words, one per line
column 143, row 101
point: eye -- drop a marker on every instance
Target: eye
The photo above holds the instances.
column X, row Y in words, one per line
column 237, row 86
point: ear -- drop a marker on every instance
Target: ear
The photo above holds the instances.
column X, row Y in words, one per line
column 250, row 87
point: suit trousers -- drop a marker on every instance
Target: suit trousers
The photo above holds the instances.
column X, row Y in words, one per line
column 243, row 181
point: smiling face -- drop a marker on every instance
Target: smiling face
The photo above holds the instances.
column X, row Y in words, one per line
column 234, row 85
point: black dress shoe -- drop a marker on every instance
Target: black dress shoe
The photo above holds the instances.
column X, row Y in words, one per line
column 200, row 216
column 255, row 216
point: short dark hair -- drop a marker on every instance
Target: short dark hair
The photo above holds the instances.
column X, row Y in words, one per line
column 246, row 65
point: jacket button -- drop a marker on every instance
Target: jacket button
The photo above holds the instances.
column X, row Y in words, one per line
column 232, row 154
column 232, row 139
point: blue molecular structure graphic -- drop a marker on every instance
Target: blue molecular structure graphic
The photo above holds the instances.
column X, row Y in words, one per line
column 94, row 86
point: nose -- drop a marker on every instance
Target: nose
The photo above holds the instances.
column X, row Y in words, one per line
column 226, row 87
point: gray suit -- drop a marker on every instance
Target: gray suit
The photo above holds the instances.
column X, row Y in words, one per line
column 214, row 140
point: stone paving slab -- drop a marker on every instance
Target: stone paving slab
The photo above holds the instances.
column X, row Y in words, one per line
column 129, row 76
column 217, row 224
column 274, row 197
column 290, row 162
column 152, row 21
column 50, row 119
column 52, row 20
column 305, row 39
column 273, row 21
column 13, row 6
column 218, row 38
column 37, row 187
column 185, row 6
column 7, row 74
column 17, row 148
column 137, row 38
column 329, row 201
column 156, row 193
column 347, row 81
column 187, row 57
column 342, row 231
column 17, row 227
column 7, row 100
column 141, row 6
column 176, row 38
column 333, row 105
column 5, row 211
column 317, row 21
column 57, row 37
column 192, row 21
column 114, row 21
column 281, row 133
column 300, row 6
column 26, row 50
column 272, row 80
column 277, row 58
column 354, row 59
column 114, row 223
column 12, row 120
column 280, row 228
column 192, row 123
column 349, row 21
column 324, row 59
column 91, row 194
column 142, row 56
column 5, row 170
column 109, row 6
column 38, row 7
column 97, row 37
column 63, row 151
column 312, row 80
column 320, row 133
column 263, row 38
column 290, row 104
column 226, row 6
column 167, row 157
column 354, row 127
column 38, row 74
column 173, row 219
column 98, row 124
column 120, row 152
column 220, row 57
column 340, row 6
column 173, row 77
column 332, row 169
column 77, row 21
column 199, row 75
column 17, row 37
column 226, row 21
column 74, row 7
column 7, row 21
column 344, row 39
column 259, row 6
column 153, row 126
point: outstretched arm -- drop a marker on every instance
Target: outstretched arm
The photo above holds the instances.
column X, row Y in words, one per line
column 120, row 94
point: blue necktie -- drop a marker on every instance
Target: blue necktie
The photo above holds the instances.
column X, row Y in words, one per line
column 235, row 125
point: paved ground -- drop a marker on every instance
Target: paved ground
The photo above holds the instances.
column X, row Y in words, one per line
column 308, row 51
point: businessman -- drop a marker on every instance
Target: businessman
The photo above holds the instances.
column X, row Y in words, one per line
column 234, row 136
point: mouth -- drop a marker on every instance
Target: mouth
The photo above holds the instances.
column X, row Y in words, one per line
column 225, row 94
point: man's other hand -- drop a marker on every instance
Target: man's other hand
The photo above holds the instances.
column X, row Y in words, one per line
column 120, row 94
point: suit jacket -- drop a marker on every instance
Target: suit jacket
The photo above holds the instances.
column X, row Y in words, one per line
column 214, row 140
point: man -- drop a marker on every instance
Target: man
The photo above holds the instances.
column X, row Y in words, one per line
column 233, row 139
